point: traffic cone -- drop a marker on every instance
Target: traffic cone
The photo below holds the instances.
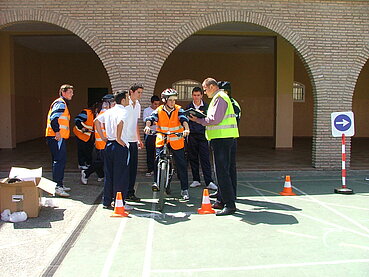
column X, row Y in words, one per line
column 119, row 207
column 287, row 190
column 206, row 206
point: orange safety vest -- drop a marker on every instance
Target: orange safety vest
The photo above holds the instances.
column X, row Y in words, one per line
column 63, row 121
column 89, row 124
column 171, row 125
column 99, row 143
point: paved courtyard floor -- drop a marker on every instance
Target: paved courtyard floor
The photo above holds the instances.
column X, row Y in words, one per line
column 316, row 233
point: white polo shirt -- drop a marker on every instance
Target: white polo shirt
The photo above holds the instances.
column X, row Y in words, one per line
column 111, row 118
column 133, row 114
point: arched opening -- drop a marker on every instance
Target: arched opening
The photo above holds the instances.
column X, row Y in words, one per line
column 276, row 131
column 41, row 57
column 360, row 103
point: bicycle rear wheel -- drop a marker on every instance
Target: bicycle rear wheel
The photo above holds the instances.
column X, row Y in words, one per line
column 162, row 184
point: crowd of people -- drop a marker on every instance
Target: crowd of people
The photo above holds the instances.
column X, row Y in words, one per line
column 108, row 139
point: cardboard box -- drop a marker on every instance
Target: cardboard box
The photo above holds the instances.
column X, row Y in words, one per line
column 24, row 195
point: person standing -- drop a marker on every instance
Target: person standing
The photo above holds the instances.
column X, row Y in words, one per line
column 97, row 157
column 171, row 118
column 56, row 133
column 83, row 129
column 226, row 86
column 116, row 154
column 221, row 130
column 198, row 145
column 133, row 134
column 150, row 138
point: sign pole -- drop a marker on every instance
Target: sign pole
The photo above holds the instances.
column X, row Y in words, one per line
column 344, row 189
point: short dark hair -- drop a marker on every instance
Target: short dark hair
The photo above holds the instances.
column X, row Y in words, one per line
column 136, row 86
column 154, row 98
column 64, row 88
column 197, row 89
column 119, row 95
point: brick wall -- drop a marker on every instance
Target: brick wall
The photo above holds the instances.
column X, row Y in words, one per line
column 134, row 38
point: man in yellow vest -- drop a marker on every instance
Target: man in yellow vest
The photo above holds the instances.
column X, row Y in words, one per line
column 171, row 118
column 221, row 130
column 57, row 132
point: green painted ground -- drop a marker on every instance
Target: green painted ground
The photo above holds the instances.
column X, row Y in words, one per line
column 317, row 233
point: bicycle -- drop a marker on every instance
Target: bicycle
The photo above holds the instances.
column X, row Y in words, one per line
column 165, row 169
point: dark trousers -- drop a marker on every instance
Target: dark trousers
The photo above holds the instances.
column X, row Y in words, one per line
column 150, row 152
column 181, row 165
column 198, row 149
column 84, row 152
column 233, row 168
column 222, row 155
column 58, row 151
column 97, row 164
column 116, row 171
column 132, row 165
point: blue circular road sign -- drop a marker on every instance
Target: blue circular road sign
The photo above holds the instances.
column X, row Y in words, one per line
column 342, row 122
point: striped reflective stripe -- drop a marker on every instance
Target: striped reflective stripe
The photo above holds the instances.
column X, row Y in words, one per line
column 229, row 116
column 64, row 117
column 171, row 128
column 218, row 127
column 98, row 139
column 86, row 126
column 174, row 138
column 63, row 127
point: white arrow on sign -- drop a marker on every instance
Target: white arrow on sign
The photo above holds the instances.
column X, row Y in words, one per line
column 343, row 122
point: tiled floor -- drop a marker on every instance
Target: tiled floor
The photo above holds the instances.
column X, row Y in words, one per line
column 253, row 154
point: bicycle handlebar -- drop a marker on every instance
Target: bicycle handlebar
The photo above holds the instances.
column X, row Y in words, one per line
column 166, row 134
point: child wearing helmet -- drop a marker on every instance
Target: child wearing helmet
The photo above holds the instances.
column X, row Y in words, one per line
column 171, row 116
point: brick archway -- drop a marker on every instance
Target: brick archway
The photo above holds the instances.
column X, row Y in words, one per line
column 243, row 16
column 22, row 16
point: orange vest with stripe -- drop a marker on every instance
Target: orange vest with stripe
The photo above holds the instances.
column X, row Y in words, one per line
column 63, row 121
column 171, row 125
column 88, row 124
column 99, row 143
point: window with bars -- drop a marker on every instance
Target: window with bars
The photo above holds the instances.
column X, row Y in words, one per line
column 184, row 88
column 298, row 92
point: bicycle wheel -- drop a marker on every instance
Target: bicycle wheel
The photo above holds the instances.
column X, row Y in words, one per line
column 162, row 184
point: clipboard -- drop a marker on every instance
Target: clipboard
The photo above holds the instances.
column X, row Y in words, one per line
column 194, row 112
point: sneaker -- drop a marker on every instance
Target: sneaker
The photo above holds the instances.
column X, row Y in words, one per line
column 128, row 207
column 100, row 179
column 66, row 188
column 82, row 167
column 154, row 187
column 367, row 179
column 59, row 191
column 212, row 186
column 195, row 184
column 108, row 207
column 83, row 177
column 185, row 195
column 148, row 174
column 133, row 198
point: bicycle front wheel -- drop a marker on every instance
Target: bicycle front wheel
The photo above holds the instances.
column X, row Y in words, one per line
column 163, row 173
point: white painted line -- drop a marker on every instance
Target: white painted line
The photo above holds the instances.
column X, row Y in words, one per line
column 336, row 205
column 113, row 249
column 149, row 240
column 253, row 267
column 298, row 234
column 354, row 245
column 334, row 211
column 308, row 216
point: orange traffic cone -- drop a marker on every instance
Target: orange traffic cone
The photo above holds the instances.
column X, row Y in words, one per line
column 118, row 207
column 287, row 190
column 206, row 206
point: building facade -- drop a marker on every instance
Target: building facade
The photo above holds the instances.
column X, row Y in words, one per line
column 132, row 41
